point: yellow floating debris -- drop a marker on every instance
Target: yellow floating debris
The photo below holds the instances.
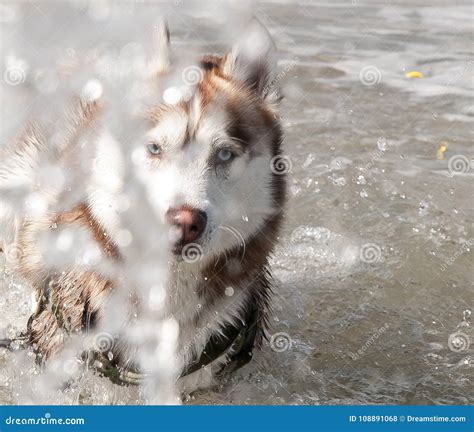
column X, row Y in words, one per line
column 414, row 74
column 441, row 150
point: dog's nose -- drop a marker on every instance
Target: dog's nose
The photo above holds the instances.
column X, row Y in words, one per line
column 189, row 221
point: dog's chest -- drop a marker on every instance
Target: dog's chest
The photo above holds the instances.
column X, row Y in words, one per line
column 183, row 302
column 197, row 317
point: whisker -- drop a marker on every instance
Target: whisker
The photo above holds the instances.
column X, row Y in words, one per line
column 237, row 235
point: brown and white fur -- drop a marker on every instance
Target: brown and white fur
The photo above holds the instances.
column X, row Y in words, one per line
column 233, row 107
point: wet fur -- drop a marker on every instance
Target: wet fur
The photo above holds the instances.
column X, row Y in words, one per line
column 73, row 299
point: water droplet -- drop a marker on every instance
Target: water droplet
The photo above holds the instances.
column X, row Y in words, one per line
column 466, row 315
column 309, row 160
column 92, row 90
column 172, row 95
column 423, row 208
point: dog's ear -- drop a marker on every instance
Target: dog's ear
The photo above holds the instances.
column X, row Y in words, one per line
column 161, row 46
column 252, row 60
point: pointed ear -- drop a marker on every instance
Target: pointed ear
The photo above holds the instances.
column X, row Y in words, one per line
column 161, row 46
column 252, row 60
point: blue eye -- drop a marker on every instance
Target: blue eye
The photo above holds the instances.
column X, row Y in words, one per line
column 154, row 149
column 225, row 155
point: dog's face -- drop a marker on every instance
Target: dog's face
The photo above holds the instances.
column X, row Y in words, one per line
column 209, row 158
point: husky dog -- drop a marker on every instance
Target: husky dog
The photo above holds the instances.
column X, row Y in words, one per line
column 214, row 159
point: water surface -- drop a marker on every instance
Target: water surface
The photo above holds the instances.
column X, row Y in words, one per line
column 374, row 271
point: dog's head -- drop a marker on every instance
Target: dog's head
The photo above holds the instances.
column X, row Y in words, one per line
column 211, row 156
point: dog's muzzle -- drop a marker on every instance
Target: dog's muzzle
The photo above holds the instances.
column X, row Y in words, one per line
column 187, row 226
